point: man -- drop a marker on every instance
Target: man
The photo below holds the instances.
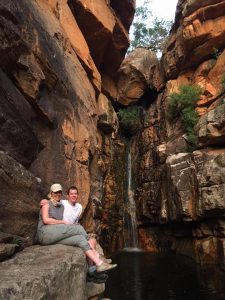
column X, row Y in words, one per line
column 72, row 213
column 72, row 209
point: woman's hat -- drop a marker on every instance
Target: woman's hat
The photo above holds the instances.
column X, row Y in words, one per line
column 55, row 187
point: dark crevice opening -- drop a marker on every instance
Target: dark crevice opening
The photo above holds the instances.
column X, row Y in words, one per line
column 145, row 101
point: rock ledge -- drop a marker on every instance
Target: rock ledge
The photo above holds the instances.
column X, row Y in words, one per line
column 45, row 272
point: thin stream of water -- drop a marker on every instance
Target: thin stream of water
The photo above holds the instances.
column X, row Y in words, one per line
column 130, row 220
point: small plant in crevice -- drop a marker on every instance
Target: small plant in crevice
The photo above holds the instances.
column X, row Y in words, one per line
column 211, row 63
column 215, row 53
column 130, row 119
column 222, row 101
column 182, row 105
column 222, row 82
column 214, row 56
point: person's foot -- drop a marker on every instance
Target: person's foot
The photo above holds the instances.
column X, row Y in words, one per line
column 91, row 269
column 104, row 267
column 97, row 277
column 107, row 260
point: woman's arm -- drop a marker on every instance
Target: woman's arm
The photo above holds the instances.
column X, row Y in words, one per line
column 45, row 217
column 43, row 202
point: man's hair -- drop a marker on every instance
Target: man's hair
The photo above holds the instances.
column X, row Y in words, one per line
column 73, row 187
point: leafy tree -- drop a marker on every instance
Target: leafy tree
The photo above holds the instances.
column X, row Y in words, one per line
column 153, row 37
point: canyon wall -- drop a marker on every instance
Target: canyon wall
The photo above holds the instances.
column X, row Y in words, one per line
column 59, row 62
column 63, row 78
column 179, row 192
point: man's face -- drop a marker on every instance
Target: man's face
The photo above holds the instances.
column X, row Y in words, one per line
column 72, row 197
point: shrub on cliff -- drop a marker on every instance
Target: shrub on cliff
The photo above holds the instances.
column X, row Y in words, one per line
column 223, row 83
column 129, row 119
column 182, row 105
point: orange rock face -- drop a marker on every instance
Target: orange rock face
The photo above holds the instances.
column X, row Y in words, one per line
column 60, row 22
column 125, row 10
column 136, row 73
column 104, row 28
column 54, row 56
column 201, row 30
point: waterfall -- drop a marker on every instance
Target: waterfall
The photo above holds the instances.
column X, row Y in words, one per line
column 130, row 220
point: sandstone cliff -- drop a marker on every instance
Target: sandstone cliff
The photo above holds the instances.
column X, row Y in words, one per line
column 60, row 91
column 58, row 72
column 180, row 194
column 57, row 81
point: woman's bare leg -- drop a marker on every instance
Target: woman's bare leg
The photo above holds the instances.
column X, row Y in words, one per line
column 93, row 256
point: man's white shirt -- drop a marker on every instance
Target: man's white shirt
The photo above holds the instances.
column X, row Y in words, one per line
column 71, row 212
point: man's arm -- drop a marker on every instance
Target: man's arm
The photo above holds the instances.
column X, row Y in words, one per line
column 79, row 213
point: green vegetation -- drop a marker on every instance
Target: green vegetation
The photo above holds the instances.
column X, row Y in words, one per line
column 153, row 37
column 182, row 104
column 211, row 63
column 130, row 119
column 223, row 83
column 215, row 53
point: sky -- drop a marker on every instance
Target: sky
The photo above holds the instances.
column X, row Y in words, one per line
column 162, row 9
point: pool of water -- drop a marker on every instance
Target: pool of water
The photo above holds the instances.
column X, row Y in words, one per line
column 147, row 276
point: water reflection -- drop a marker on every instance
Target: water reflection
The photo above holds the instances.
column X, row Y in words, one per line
column 145, row 276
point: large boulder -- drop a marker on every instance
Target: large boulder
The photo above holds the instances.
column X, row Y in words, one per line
column 137, row 73
column 46, row 272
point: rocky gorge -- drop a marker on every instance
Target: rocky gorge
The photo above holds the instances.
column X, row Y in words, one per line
column 64, row 83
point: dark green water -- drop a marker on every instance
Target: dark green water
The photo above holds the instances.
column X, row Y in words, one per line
column 146, row 276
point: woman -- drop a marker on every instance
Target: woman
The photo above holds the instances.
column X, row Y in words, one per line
column 53, row 230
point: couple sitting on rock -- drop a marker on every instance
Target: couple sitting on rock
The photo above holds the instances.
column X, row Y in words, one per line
column 58, row 224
